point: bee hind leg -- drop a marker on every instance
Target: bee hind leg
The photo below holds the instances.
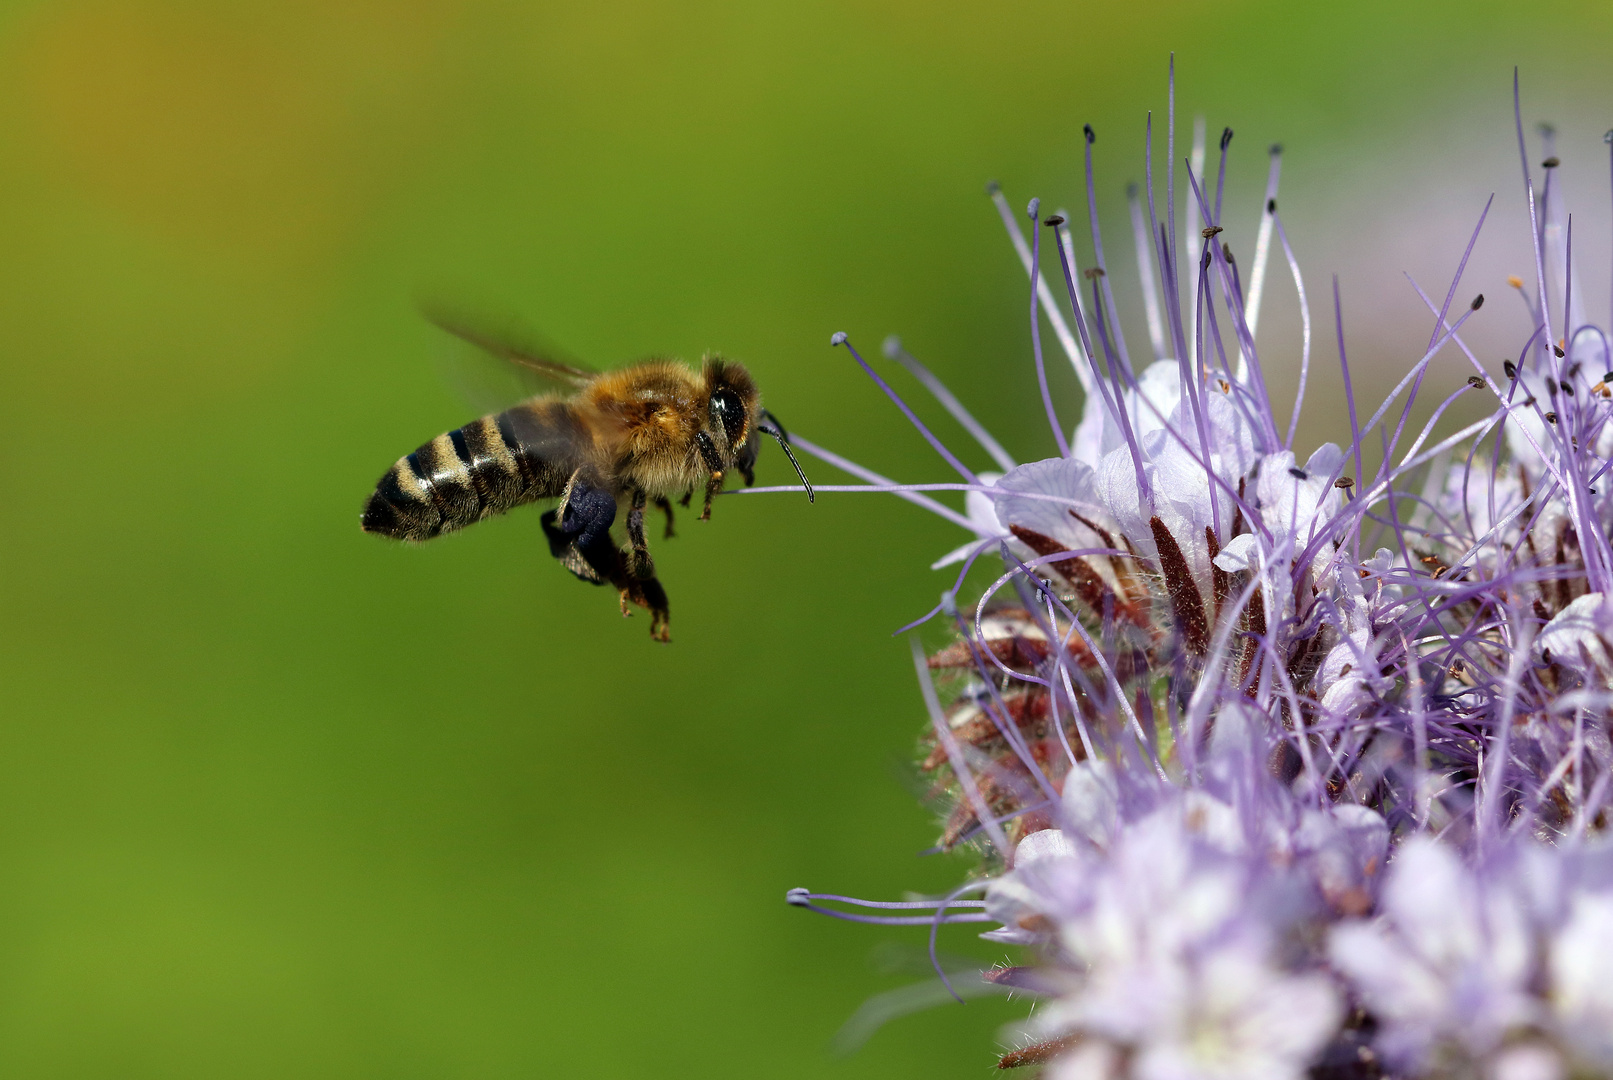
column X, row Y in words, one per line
column 579, row 536
column 578, row 531
column 647, row 593
column 665, row 506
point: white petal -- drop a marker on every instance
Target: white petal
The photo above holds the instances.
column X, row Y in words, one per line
column 1067, row 484
column 1242, row 552
column 1577, row 635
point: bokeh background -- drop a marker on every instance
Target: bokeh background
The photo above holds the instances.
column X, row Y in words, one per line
column 280, row 799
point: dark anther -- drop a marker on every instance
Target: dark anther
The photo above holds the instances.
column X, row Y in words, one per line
column 1550, row 163
column 1344, row 482
column 1591, row 490
column 1054, row 222
column 1573, row 369
column 1211, row 231
column 1271, row 206
column 1226, row 249
column 1036, row 1053
column 1276, row 148
column 1094, row 272
column 1475, row 382
column 1478, row 302
column 1608, row 378
column 1209, row 253
column 1551, row 418
column 1568, row 387
column 1529, row 402
column 1226, row 138
column 1608, row 138
column 1091, row 136
column 1010, row 976
column 1557, row 351
column 1131, row 189
column 1187, row 603
column 1512, row 369
column 1298, row 474
column 992, row 187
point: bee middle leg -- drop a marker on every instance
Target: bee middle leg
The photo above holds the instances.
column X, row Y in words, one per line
column 663, row 504
column 643, row 565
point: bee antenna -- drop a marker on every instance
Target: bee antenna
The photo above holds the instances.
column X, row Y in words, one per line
column 770, row 426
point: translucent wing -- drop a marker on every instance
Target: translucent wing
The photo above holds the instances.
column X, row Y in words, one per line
column 545, row 361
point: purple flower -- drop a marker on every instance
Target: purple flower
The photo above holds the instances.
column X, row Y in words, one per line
column 1499, row 967
column 1447, row 965
column 1175, row 922
column 1580, row 969
column 1577, row 637
column 1219, row 684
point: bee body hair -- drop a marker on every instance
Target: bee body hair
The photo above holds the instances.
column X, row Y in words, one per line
column 627, row 439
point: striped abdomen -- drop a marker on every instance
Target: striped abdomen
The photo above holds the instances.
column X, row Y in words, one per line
column 483, row 468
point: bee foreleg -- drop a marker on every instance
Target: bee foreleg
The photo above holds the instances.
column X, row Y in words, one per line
column 666, row 508
column 713, row 486
column 708, row 452
column 643, row 565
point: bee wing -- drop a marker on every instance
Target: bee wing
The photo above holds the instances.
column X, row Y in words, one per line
column 544, row 361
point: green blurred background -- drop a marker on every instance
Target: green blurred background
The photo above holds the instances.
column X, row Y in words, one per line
column 280, row 799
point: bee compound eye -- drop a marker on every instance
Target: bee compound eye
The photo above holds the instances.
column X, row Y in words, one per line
column 729, row 411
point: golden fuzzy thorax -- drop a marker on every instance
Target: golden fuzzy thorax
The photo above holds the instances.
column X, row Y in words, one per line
column 644, row 420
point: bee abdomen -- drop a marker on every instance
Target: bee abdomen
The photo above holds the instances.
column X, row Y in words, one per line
column 452, row 481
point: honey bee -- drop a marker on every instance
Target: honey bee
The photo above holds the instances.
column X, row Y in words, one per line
column 628, row 438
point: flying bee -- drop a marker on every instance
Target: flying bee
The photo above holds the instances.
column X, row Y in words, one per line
column 622, row 440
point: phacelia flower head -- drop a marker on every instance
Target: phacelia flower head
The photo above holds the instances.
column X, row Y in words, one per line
column 1280, row 761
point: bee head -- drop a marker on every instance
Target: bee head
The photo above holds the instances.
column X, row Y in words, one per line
column 735, row 419
column 731, row 403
